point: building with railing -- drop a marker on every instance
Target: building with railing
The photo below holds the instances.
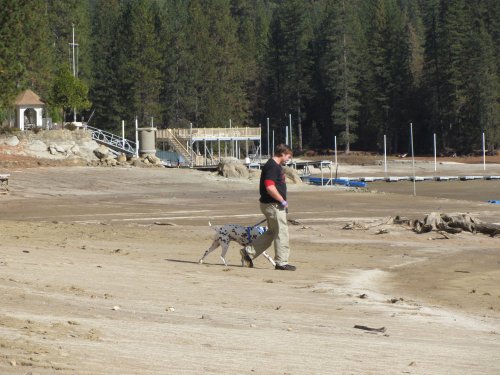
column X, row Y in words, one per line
column 206, row 146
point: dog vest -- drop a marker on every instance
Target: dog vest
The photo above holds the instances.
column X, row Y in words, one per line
column 261, row 231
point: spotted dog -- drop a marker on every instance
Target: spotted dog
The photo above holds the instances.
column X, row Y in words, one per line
column 244, row 236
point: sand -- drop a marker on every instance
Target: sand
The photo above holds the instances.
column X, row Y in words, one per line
column 99, row 274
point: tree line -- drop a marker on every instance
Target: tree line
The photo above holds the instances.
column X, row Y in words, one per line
column 354, row 69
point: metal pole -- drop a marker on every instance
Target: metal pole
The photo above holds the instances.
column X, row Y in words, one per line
column 413, row 160
column 260, row 145
column 321, row 168
column 290, row 124
column 123, row 134
column 136, row 137
column 484, row 153
column 152, row 121
column 73, row 48
column 286, row 135
column 435, row 154
column 74, row 62
column 191, row 141
column 268, row 153
column 273, row 144
column 385, row 154
column 231, row 141
column 335, row 145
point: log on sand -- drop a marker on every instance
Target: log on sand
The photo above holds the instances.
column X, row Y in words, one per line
column 453, row 224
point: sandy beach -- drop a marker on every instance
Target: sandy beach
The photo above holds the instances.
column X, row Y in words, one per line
column 99, row 274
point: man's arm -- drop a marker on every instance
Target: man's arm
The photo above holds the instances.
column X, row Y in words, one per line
column 274, row 193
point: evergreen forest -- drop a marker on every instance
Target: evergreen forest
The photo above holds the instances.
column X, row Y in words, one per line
column 352, row 69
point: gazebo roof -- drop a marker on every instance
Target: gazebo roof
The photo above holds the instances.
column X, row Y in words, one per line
column 28, row 97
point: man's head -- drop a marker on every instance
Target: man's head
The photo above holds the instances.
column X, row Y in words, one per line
column 282, row 153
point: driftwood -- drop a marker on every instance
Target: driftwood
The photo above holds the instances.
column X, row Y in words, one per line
column 381, row 329
column 452, row 224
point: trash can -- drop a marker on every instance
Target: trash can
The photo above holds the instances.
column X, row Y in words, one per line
column 147, row 141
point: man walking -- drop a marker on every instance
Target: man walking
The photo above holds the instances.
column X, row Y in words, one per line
column 274, row 206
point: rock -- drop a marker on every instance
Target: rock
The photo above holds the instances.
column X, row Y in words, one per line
column 116, row 308
column 75, row 150
column 137, row 163
column 101, row 152
column 12, row 141
column 153, row 159
column 292, row 176
column 90, row 145
column 37, row 146
column 122, row 158
column 232, row 168
column 52, row 150
column 110, row 161
column 60, row 149
column 254, row 174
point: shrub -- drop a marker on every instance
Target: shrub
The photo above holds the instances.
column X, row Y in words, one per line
column 7, row 130
column 70, row 126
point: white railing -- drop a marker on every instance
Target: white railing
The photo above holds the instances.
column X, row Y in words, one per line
column 214, row 133
column 110, row 139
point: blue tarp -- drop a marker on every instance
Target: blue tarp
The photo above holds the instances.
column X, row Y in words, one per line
column 336, row 181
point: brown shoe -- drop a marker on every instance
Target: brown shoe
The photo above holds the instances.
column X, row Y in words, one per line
column 245, row 258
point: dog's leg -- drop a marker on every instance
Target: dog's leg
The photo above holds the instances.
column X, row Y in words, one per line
column 225, row 247
column 214, row 246
column 269, row 258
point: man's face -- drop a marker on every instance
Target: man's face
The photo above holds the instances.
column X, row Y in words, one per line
column 284, row 158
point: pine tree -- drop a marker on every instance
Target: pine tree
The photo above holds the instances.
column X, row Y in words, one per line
column 289, row 62
column 341, row 64
column 482, row 102
column 25, row 58
column 105, row 89
column 227, row 97
column 175, row 68
column 452, row 53
column 209, row 75
column 389, row 74
column 12, row 41
column 61, row 16
column 253, row 18
column 38, row 57
column 139, row 72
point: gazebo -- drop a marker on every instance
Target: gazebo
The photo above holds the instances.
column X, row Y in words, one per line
column 26, row 101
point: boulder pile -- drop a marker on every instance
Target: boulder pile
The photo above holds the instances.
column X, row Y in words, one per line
column 73, row 146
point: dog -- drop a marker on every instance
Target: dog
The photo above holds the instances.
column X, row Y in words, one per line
column 244, row 236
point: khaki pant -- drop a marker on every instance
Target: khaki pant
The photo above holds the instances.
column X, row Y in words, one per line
column 277, row 231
